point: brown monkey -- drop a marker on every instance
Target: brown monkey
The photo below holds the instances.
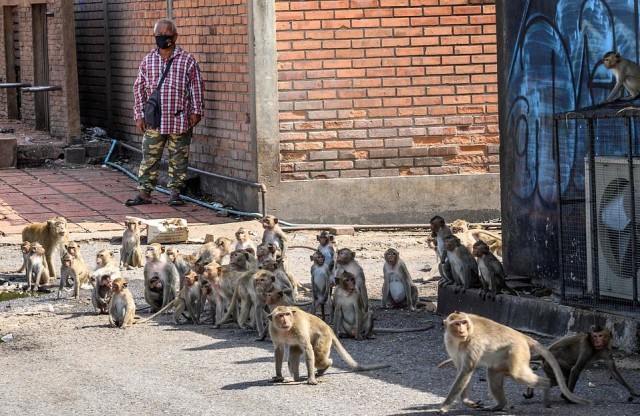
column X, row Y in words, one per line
column 25, row 249
column 188, row 298
column 398, row 288
column 273, row 234
column 222, row 281
column 250, row 296
column 345, row 261
column 308, row 334
column 159, row 274
column 320, row 284
column 492, row 274
column 183, row 263
column 101, row 294
column 122, row 308
column 627, row 75
column 76, row 270
column 73, row 248
column 464, row 267
column 440, row 231
column 36, row 267
column 573, row 353
column 51, row 235
column 243, row 240
column 326, row 245
column 472, row 340
column 351, row 317
column 130, row 253
column 213, row 252
column 105, row 264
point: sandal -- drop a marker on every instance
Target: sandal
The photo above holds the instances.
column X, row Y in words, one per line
column 175, row 201
column 138, row 200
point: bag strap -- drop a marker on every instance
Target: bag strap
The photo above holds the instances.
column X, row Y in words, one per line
column 164, row 74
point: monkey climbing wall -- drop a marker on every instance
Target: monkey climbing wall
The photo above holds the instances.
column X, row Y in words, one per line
column 550, row 62
column 38, row 72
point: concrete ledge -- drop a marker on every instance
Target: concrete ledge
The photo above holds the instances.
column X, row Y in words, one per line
column 8, row 152
column 541, row 317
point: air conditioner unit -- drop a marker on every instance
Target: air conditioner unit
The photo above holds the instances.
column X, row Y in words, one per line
column 613, row 223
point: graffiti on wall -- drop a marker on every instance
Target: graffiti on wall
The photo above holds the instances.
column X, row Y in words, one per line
column 552, row 64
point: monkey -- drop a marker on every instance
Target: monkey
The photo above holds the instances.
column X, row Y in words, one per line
column 25, row 249
column 308, row 334
column 398, row 287
column 37, row 273
column 265, row 252
column 351, row 317
column 464, row 267
column 284, row 280
column 159, row 273
column 188, row 298
column 573, row 353
column 326, row 245
column 492, row 239
column 215, row 251
column 241, row 260
column 244, row 301
column 440, row 231
column 101, row 294
column 51, row 235
column 243, row 240
column 472, row 340
column 627, row 75
column 222, row 282
column 345, row 261
column 492, row 274
column 105, row 264
column 320, row 284
column 130, row 253
column 73, row 248
column 273, row 234
column 76, row 270
column 183, row 263
column 206, row 292
column 122, row 308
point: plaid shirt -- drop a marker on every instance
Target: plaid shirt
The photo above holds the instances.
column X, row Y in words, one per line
column 181, row 92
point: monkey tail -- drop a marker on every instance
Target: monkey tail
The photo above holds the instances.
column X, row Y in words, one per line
column 401, row 330
column 444, row 363
column 232, row 306
column 307, row 247
column 549, row 358
column 349, row 359
column 478, row 232
column 155, row 315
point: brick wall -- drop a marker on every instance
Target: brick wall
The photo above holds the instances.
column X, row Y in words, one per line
column 58, row 100
column 215, row 34
column 371, row 88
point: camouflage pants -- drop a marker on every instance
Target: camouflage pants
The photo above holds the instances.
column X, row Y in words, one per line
column 153, row 144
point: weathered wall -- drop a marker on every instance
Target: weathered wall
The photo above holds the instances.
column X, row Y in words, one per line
column 549, row 63
column 63, row 104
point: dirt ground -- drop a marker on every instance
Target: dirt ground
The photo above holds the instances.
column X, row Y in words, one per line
column 65, row 360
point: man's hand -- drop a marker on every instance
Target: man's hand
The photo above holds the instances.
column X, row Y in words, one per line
column 141, row 126
column 194, row 119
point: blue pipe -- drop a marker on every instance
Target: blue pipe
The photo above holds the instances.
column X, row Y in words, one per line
column 114, row 142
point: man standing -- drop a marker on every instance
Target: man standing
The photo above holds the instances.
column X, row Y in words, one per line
column 181, row 98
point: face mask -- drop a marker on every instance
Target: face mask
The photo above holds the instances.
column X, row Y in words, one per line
column 164, row 41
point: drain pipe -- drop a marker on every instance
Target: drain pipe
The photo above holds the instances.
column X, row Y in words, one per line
column 263, row 189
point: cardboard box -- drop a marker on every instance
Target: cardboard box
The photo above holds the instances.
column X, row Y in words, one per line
column 165, row 230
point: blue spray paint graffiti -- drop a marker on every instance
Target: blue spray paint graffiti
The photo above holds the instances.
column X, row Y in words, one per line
column 552, row 64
